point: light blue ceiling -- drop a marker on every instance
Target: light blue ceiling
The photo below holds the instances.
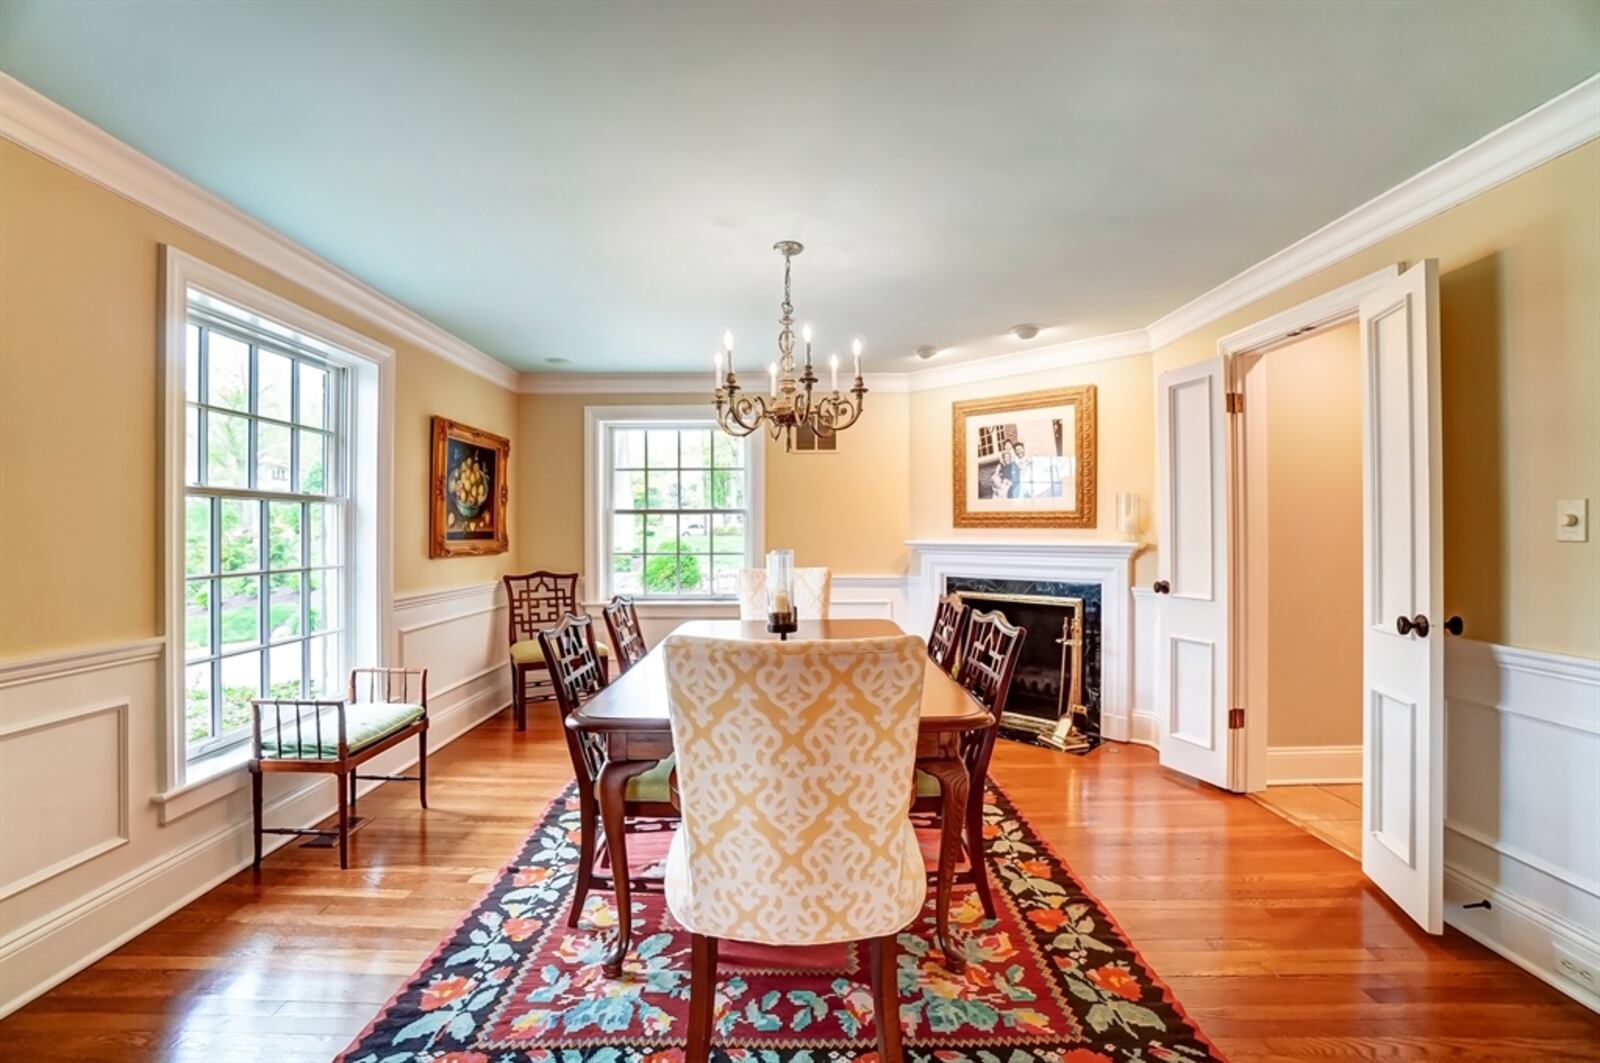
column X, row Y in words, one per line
column 602, row 182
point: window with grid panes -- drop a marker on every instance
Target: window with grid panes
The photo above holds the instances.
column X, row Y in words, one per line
column 679, row 511
column 264, row 527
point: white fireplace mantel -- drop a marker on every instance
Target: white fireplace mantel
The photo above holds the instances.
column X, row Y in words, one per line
column 1107, row 563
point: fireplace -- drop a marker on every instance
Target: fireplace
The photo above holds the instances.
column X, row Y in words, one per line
column 1058, row 671
column 1098, row 572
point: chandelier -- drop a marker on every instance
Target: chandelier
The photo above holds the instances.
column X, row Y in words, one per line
column 789, row 403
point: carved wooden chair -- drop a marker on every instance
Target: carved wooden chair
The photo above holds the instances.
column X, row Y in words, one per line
column 622, row 622
column 988, row 659
column 756, row 860
column 577, row 673
column 536, row 601
column 385, row 707
column 949, row 625
column 813, row 592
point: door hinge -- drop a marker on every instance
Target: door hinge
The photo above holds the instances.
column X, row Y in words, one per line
column 1235, row 402
column 1235, row 719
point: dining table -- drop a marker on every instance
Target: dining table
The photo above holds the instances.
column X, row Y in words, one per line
column 629, row 718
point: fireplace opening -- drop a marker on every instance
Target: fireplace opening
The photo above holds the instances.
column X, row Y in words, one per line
column 1057, row 678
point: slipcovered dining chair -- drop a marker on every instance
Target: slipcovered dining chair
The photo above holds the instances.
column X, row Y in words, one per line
column 988, row 661
column 622, row 622
column 577, row 674
column 813, row 590
column 536, row 601
column 949, row 625
column 794, row 769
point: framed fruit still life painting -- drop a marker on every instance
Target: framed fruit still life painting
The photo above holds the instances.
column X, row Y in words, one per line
column 468, row 491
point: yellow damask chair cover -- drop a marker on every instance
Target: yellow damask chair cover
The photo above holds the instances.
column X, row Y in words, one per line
column 794, row 766
column 813, row 590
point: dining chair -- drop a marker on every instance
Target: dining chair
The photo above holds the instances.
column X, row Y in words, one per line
column 813, row 591
column 385, row 707
column 577, row 673
column 794, row 764
column 535, row 601
column 949, row 625
column 988, row 660
column 622, row 622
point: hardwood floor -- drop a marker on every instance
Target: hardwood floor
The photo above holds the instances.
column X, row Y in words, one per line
column 1272, row 941
column 1330, row 812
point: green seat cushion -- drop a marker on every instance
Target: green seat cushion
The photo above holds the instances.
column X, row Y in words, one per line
column 653, row 785
column 528, row 651
column 927, row 785
column 364, row 724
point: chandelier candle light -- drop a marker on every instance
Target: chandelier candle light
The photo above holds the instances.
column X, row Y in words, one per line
column 789, row 403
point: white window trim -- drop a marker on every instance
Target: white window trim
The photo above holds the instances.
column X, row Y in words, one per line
column 370, row 468
column 596, row 470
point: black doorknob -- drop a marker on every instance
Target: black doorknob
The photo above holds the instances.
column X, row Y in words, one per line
column 1162, row 587
column 1454, row 626
column 1418, row 623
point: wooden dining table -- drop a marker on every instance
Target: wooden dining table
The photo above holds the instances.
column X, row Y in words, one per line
column 630, row 718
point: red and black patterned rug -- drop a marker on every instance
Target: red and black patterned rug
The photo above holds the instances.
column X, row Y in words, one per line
column 1052, row 979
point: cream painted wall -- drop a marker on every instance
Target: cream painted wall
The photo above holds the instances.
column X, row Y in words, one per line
column 1125, row 408
column 78, row 454
column 845, row 510
column 1313, row 550
column 1520, row 329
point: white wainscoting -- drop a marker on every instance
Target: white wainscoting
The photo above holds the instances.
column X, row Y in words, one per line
column 854, row 597
column 110, row 867
column 1522, row 793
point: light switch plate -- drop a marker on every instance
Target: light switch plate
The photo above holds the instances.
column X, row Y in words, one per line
column 1572, row 520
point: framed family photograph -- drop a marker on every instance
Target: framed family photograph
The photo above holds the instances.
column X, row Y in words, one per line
column 468, row 491
column 1025, row 461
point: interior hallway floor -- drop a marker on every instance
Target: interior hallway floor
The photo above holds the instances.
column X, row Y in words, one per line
column 1331, row 812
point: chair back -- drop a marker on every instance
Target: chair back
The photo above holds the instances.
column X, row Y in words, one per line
column 576, row 676
column 989, row 657
column 813, row 591
column 794, row 764
column 627, row 641
column 538, row 600
column 569, row 653
column 949, row 624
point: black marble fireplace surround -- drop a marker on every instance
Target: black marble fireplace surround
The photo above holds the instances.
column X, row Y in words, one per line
column 1036, row 685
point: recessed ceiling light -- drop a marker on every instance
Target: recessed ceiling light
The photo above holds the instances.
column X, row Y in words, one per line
column 558, row 361
column 1024, row 332
column 926, row 351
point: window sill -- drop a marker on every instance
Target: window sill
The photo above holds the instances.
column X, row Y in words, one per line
column 207, row 779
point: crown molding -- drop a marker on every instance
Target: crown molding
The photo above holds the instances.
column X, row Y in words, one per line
column 1554, row 128
column 660, row 383
column 46, row 128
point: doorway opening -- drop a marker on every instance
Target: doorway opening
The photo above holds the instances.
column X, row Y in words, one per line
column 1302, row 629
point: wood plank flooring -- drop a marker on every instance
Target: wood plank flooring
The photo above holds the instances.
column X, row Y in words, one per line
column 1331, row 812
column 1272, row 941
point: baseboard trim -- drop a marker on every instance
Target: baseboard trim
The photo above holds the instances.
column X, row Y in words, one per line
column 1308, row 765
column 1144, row 730
column 218, row 856
column 1518, row 930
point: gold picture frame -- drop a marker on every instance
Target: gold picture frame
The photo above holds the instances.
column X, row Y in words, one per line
column 1031, row 471
column 468, row 489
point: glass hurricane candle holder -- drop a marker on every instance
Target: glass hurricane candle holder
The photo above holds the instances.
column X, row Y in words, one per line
column 781, row 617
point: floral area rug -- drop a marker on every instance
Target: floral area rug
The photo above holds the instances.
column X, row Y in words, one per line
column 1051, row 979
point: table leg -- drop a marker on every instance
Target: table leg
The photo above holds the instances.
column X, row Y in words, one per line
column 953, row 783
column 612, row 788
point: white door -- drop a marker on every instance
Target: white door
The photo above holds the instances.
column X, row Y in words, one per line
column 1402, row 843
column 1192, row 658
